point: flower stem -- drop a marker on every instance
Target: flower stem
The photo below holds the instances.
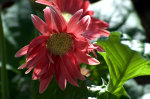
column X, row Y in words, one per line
column 3, row 67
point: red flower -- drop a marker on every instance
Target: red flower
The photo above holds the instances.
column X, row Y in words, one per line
column 59, row 49
column 96, row 27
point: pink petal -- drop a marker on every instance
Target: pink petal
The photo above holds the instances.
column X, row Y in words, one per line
column 33, row 60
column 82, row 44
column 22, row 51
column 99, row 48
column 85, row 58
column 74, row 20
column 41, row 67
column 81, row 26
column 74, row 66
column 36, row 42
column 97, row 23
column 93, row 34
column 57, row 19
column 45, row 2
column 34, row 76
column 40, row 25
column 60, row 78
column 23, row 66
column 45, row 82
column 67, row 72
column 29, row 70
column 47, row 15
column 50, row 58
column 86, row 5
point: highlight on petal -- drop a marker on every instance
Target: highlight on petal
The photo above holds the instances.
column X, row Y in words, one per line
column 22, row 51
column 60, row 78
column 37, row 41
column 74, row 20
column 57, row 19
column 44, row 82
column 40, row 24
column 47, row 15
column 67, row 73
column 84, row 58
column 45, row 2
column 81, row 26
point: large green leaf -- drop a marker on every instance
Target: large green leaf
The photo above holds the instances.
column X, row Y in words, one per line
column 123, row 63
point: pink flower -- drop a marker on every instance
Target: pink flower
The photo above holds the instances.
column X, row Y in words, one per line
column 59, row 49
column 96, row 27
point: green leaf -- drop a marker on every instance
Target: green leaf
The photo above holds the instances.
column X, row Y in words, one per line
column 123, row 63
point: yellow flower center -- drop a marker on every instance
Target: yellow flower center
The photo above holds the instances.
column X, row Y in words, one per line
column 67, row 16
column 59, row 43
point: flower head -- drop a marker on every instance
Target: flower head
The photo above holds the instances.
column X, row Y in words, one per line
column 69, row 7
column 59, row 49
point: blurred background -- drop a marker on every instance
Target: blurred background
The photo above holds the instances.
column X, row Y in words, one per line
column 130, row 17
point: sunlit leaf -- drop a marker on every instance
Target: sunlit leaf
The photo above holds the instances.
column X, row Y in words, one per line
column 123, row 63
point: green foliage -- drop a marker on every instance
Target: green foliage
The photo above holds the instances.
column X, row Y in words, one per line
column 54, row 92
column 123, row 64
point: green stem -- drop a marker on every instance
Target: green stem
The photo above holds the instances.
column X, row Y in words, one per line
column 3, row 67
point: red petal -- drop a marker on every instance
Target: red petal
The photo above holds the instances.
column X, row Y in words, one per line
column 86, row 5
column 57, row 18
column 23, row 66
column 22, row 51
column 81, row 26
column 45, row 82
column 74, row 65
column 41, row 67
column 67, row 72
column 45, row 2
column 37, row 41
column 29, row 70
column 33, row 60
column 93, row 34
column 82, row 44
column 74, row 20
column 85, row 58
column 40, row 24
column 47, row 15
column 60, row 78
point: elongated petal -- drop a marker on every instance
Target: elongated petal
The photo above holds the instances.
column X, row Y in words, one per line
column 45, row 82
column 74, row 21
column 36, row 59
column 57, row 18
column 29, row 70
column 47, row 15
column 85, row 58
column 42, row 67
column 75, row 66
column 98, row 24
column 37, row 41
column 22, row 51
column 86, row 5
column 60, row 78
column 93, row 34
column 81, row 26
column 68, row 75
column 40, row 24
column 45, row 2
column 23, row 66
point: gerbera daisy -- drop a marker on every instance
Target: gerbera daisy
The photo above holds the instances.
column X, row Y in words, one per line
column 69, row 7
column 59, row 49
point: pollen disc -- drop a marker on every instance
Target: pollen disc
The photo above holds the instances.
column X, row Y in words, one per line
column 59, row 43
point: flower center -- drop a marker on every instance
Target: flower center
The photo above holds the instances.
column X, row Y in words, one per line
column 59, row 43
column 67, row 16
